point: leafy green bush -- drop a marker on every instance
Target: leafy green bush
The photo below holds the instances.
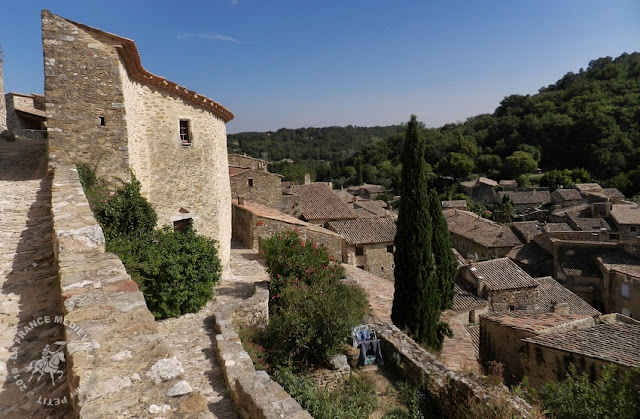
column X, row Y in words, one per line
column 312, row 311
column 615, row 395
column 357, row 399
column 182, row 268
column 127, row 212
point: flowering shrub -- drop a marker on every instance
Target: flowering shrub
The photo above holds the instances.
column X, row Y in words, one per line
column 293, row 261
column 312, row 311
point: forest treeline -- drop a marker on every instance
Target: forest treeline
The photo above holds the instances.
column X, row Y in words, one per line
column 585, row 127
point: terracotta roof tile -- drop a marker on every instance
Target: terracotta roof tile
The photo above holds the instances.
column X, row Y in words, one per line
column 584, row 188
column 623, row 262
column 573, row 209
column 365, row 230
column 551, row 292
column 529, row 254
column 589, row 223
column 465, row 298
column 474, row 332
column 235, row 170
column 567, row 194
column 318, row 202
column 626, row 214
column 532, row 321
column 615, row 342
column 533, row 228
column 480, row 230
column 502, row 274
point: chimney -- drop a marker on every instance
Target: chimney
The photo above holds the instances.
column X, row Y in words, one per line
column 561, row 308
column 240, row 199
column 480, row 287
column 387, row 214
column 307, row 178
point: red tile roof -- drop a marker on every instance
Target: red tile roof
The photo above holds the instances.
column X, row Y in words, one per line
column 365, row 230
column 318, row 202
column 235, row 170
column 623, row 262
column 527, row 197
column 617, row 342
column 466, row 299
column 626, row 214
column 502, row 274
column 129, row 53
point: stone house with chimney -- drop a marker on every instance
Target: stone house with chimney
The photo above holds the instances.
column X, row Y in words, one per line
column 369, row 243
column 242, row 160
column 525, row 200
column 562, row 198
column 504, row 285
column 626, row 219
column 478, row 238
column 105, row 109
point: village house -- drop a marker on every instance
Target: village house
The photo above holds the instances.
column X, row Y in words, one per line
column 478, row 238
column 369, row 244
column 621, row 283
column 614, row 340
column 460, row 204
column 242, row 160
column 366, row 191
column 626, row 219
column 502, row 283
column 481, row 190
column 562, row 198
column 103, row 108
column 525, row 200
column 256, row 185
column 501, row 335
column 25, row 114
column 319, row 204
column 508, row 184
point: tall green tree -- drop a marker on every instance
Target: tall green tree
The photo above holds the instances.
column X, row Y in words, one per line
column 418, row 298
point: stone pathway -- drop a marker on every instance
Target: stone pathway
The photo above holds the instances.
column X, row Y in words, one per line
column 192, row 337
column 27, row 284
column 458, row 353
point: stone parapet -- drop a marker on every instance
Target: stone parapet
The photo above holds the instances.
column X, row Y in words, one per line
column 456, row 395
column 255, row 395
column 117, row 364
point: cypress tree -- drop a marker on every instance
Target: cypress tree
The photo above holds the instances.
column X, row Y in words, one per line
column 424, row 269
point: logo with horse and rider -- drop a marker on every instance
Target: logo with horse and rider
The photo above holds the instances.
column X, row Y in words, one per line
column 48, row 362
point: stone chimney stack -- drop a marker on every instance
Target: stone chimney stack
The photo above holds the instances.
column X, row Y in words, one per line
column 307, row 178
column 3, row 105
column 561, row 308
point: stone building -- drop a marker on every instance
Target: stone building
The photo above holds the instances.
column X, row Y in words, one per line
column 256, row 185
column 546, row 357
column 242, row 160
column 566, row 198
column 501, row 335
column 524, row 200
column 481, row 190
column 502, row 283
column 369, row 243
column 105, row 109
column 25, row 112
column 627, row 220
column 478, row 238
column 621, row 283
column 319, row 204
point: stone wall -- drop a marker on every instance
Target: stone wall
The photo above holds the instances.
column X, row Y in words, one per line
column 290, row 205
column 82, row 83
column 114, row 350
column 253, row 222
column 515, row 299
column 456, row 395
column 378, row 260
column 255, row 395
column 264, row 187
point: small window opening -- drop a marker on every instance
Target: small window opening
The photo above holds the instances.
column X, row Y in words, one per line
column 250, row 181
column 185, row 134
column 359, row 251
column 102, row 121
column 624, row 290
column 360, row 267
column 182, row 225
column 390, row 248
column 512, row 308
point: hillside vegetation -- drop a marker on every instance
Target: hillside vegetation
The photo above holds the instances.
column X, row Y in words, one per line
column 584, row 127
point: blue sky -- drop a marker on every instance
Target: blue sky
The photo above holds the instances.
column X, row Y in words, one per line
column 300, row 63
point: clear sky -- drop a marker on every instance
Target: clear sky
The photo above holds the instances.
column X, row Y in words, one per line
column 303, row 63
